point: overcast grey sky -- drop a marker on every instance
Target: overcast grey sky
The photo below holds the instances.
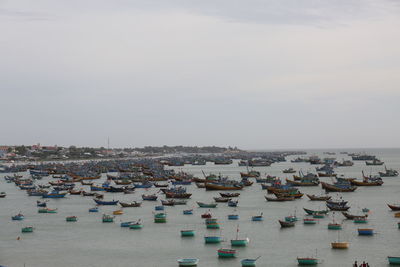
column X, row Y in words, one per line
column 254, row 74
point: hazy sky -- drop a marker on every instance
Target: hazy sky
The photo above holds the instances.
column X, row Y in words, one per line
column 250, row 73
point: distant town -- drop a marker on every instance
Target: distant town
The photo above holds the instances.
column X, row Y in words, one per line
column 40, row 152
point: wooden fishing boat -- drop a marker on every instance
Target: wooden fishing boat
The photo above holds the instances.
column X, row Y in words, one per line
column 351, row 216
column 229, row 195
column 226, row 253
column 207, row 205
column 71, row 218
column 397, row 215
column 249, row 262
column 291, row 194
column 221, row 199
column 113, row 189
column 86, row 183
column 340, row 245
column 318, row 198
column 118, row 212
column 131, row 204
column 27, row 229
column 188, row 262
column 101, row 202
column 289, row 170
column 240, row 242
column 365, row 231
column 218, row 186
column 279, row 199
column 394, row 207
column 366, row 182
column 107, row 218
column 177, row 195
column 286, row 224
column 337, row 207
column 333, row 188
column 206, row 215
column 212, row 239
column 168, row 202
column 188, row 232
column 160, row 185
column 394, row 260
column 233, row 203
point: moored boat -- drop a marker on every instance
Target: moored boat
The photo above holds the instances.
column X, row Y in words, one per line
column 136, row 225
column 394, row 260
column 249, row 262
column 206, row 205
column 286, row 224
column 365, row 231
column 101, row 202
column 226, row 253
column 18, row 217
column 107, row 218
column 212, row 239
column 394, row 207
column 71, row 218
column 340, row 245
column 188, row 232
column 307, row 261
column 318, row 198
column 188, row 262
column 27, row 229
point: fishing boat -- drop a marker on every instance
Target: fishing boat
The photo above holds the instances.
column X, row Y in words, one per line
column 257, row 218
column 222, row 186
column 367, row 182
column 337, row 187
column 307, row 261
column 365, row 210
column 389, row 173
column 351, row 216
column 318, row 216
column 249, row 262
column 54, row 194
column 118, row 212
column 303, row 182
column 239, row 242
column 131, row 204
column 394, row 207
column 188, row 232
column 126, row 224
column 149, row 197
column 95, row 209
column 101, row 202
column 365, row 231
column 291, row 218
column 177, row 195
column 397, row 215
column 71, row 218
column 136, row 225
column 188, row 262
column 337, row 207
column 107, row 218
column 318, row 198
column 206, row 215
column 312, row 212
column 360, row 220
column 226, row 253
column 394, row 260
column 18, row 217
column 229, row 194
column 47, row 210
column 233, row 203
column 374, row 162
column 286, row 224
column 206, row 205
column 211, row 223
column 168, row 202
column 221, row 199
column 279, row 199
column 212, row 239
column 293, row 194
column 289, row 170
column 27, row 229
column 233, row 217
column 309, row 221
column 334, row 226
column 340, row 245
column 187, row 212
column 159, row 208
column 160, row 218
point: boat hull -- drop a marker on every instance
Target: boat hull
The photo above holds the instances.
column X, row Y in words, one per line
column 307, row 261
column 394, row 260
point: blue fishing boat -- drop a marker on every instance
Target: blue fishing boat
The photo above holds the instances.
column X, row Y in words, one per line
column 257, row 218
column 149, row 197
column 126, row 224
column 101, row 202
column 96, row 188
column 41, row 203
column 95, row 209
column 18, row 217
column 159, row 208
column 232, row 203
column 144, row 185
column 181, row 182
column 249, row 262
column 54, row 194
column 365, row 231
column 188, row 212
column 233, row 217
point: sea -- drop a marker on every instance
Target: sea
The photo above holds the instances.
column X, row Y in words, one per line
column 89, row 242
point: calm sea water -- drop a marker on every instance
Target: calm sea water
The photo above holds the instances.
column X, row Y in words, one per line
column 89, row 242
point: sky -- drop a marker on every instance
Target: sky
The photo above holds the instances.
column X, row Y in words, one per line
column 271, row 74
